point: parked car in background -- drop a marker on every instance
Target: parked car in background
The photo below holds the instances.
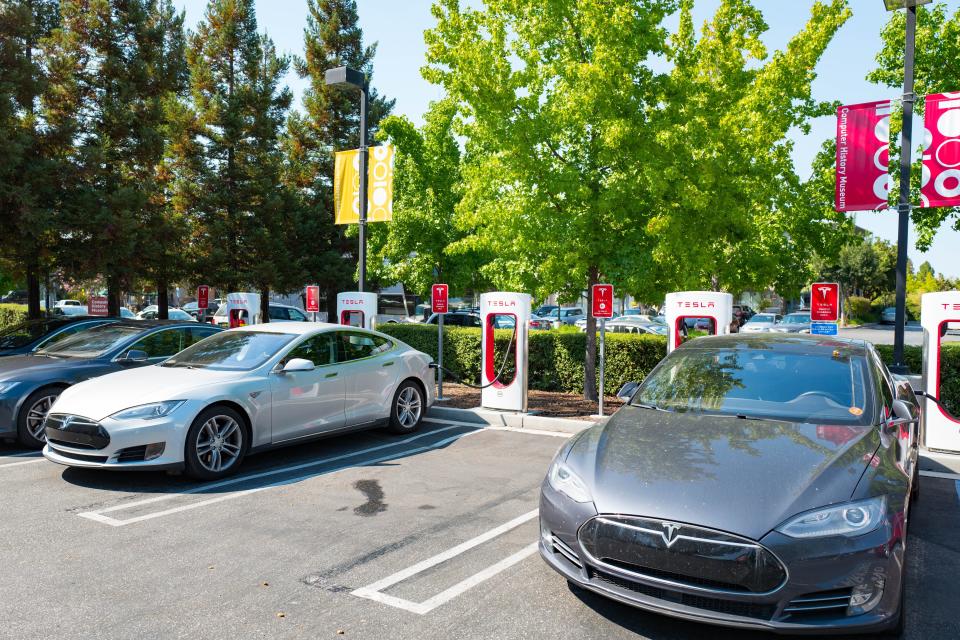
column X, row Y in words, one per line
column 888, row 316
column 14, row 296
column 71, row 309
column 742, row 313
column 567, row 315
column 31, row 335
column 760, row 323
column 126, row 314
column 627, row 325
column 68, row 303
column 546, row 311
column 757, row 482
column 538, row 323
column 194, row 310
column 456, row 319
column 251, row 388
column 278, row 313
column 29, row 384
column 798, row 322
column 151, row 313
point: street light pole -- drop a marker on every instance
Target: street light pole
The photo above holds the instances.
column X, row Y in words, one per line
column 345, row 76
column 906, row 153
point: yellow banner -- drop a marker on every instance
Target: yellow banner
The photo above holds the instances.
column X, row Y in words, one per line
column 346, row 185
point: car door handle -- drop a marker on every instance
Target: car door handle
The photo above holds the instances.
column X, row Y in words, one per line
column 389, row 364
column 331, row 375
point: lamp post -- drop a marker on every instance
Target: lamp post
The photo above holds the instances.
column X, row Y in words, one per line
column 347, row 77
column 906, row 152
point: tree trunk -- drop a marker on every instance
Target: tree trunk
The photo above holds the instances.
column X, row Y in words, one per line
column 332, row 306
column 33, row 291
column 163, row 303
column 265, row 304
column 113, row 296
column 590, row 362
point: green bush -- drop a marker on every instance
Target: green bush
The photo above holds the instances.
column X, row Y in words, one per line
column 556, row 357
column 11, row 314
column 860, row 310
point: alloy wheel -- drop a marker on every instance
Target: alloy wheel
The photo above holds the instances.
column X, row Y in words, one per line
column 409, row 407
column 37, row 415
column 219, row 443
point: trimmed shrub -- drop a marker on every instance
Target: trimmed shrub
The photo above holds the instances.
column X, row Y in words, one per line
column 556, row 357
column 11, row 314
column 860, row 309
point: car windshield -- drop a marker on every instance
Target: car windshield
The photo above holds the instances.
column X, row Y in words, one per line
column 798, row 386
column 231, row 351
column 762, row 317
column 93, row 342
column 26, row 332
column 797, row 318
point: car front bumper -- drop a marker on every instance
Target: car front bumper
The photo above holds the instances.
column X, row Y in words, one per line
column 825, row 566
column 127, row 444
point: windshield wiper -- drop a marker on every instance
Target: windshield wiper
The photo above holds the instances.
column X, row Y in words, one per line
column 650, row 406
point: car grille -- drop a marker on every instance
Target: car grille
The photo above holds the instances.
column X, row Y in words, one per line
column 75, row 431
column 78, row 456
column 728, row 607
column 821, row 603
column 682, row 554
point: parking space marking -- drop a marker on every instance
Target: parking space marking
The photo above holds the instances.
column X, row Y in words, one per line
column 374, row 591
column 940, row 474
column 37, row 458
column 536, row 432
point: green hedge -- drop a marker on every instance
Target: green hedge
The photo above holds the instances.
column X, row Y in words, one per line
column 556, row 357
column 11, row 314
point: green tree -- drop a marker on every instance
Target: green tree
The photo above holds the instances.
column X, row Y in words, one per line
column 32, row 162
column 415, row 247
column 575, row 142
column 330, row 122
column 235, row 198
column 937, row 60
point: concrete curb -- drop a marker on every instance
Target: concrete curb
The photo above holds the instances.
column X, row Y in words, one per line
column 511, row 419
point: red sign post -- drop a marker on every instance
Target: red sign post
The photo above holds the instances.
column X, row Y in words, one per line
column 313, row 299
column 203, row 297
column 97, row 306
column 439, row 299
column 602, row 301
column 825, row 302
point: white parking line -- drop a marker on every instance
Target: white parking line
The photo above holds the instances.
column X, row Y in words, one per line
column 18, row 464
column 99, row 517
column 374, row 591
column 940, row 474
column 536, row 432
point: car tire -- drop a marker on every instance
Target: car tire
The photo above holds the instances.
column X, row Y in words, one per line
column 407, row 408
column 27, row 426
column 216, row 443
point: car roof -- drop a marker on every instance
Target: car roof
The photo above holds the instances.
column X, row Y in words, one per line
column 805, row 343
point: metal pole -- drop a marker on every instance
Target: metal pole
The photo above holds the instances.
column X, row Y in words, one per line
column 906, row 153
column 440, row 357
column 603, row 358
column 363, row 187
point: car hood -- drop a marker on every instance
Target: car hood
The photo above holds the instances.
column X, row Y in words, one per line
column 731, row 474
column 27, row 367
column 103, row 396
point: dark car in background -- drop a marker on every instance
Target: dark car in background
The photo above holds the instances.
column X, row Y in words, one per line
column 456, row 319
column 758, row 482
column 31, row 335
column 14, row 297
column 29, row 384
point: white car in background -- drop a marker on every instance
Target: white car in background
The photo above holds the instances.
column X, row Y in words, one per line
column 761, row 323
column 240, row 391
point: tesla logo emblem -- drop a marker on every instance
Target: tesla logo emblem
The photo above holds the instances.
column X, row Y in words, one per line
column 66, row 422
column 824, row 291
column 669, row 534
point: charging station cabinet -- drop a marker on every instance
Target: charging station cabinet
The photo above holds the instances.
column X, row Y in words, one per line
column 939, row 313
column 357, row 309
column 711, row 305
column 243, row 309
column 504, row 310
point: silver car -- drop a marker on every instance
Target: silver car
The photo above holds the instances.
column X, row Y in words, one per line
column 798, row 322
column 759, row 482
column 761, row 323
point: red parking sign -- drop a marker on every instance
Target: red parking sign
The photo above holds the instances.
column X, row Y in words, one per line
column 313, row 299
column 97, row 306
column 438, row 298
column 203, row 296
column 602, row 301
column 825, row 302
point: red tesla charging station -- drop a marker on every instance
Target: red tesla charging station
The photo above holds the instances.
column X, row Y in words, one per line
column 357, row 309
column 504, row 310
column 939, row 314
column 711, row 306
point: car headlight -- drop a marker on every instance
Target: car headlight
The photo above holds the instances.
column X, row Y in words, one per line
column 850, row 519
column 148, row 411
column 6, row 386
column 564, row 480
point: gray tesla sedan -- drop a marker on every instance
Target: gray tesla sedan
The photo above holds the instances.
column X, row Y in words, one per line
column 755, row 481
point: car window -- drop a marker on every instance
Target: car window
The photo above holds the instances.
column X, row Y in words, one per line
column 162, row 344
column 320, row 350
column 197, row 334
column 26, row 332
column 297, row 315
column 65, row 333
column 279, row 313
column 353, row 346
column 231, row 351
column 825, row 388
column 89, row 343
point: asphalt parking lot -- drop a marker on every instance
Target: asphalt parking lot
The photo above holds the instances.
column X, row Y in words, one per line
column 361, row 536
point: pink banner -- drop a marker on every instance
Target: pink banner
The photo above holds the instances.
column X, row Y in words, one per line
column 940, row 183
column 863, row 137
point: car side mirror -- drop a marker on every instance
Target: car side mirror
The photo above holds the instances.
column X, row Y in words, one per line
column 901, row 415
column 298, row 364
column 133, row 356
column 627, row 390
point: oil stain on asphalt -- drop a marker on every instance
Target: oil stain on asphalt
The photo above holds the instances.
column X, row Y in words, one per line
column 374, row 494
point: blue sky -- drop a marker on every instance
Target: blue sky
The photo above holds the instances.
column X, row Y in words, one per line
column 397, row 26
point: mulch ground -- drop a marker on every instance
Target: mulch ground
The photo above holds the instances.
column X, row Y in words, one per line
column 552, row 404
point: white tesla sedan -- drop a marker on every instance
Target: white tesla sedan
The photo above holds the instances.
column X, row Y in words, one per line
column 240, row 391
